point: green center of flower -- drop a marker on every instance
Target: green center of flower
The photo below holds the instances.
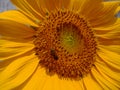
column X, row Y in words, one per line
column 65, row 45
column 69, row 39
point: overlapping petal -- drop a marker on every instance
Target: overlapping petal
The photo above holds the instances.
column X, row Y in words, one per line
column 43, row 81
column 9, row 49
column 12, row 29
column 17, row 16
column 91, row 84
column 38, row 9
column 110, row 58
column 19, row 67
column 102, row 81
column 106, row 15
column 18, row 71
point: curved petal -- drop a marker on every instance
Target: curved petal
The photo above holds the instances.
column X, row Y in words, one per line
column 52, row 5
column 30, row 8
column 109, row 39
column 42, row 81
column 75, row 5
column 113, row 48
column 89, row 7
column 91, row 84
column 18, row 71
column 9, row 49
column 112, row 34
column 109, row 35
column 106, row 84
column 112, row 59
column 106, row 70
column 108, row 74
column 15, row 30
column 105, row 41
column 106, row 29
column 39, row 8
column 37, row 80
column 105, row 16
column 17, row 16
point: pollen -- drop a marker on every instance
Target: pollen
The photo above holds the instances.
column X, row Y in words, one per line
column 65, row 45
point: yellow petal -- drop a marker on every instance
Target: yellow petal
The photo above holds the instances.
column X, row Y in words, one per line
column 18, row 71
column 40, row 6
column 112, row 59
column 37, row 80
column 104, row 41
column 109, row 35
column 17, row 16
column 30, row 8
column 62, row 84
column 113, row 48
column 110, row 38
column 76, row 5
column 107, row 73
column 15, row 30
column 91, row 84
column 52, row 5
column 89, row 7
column 9, row 49
column 41, row 81
column 110, row 28
column 110, row 32
column 106, row 84
column 105, row 16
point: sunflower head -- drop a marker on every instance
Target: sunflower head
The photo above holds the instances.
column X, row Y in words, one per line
column 65, row 44
column 60, row 44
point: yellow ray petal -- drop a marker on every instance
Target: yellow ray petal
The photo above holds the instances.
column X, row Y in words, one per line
column 30, row 8
column 89, row 7
column 46, row 6
column 18, row 71
column 111, row 35
column 76, row 5
column 106, row 85
column 71, row 85
column 104, row 41
column 52, row 5
column 110, row 32
column 40, row 6
column 37, row 80
column 91, row 84
column 113, row 48
column 105, row 29
column 17, row 16
column 35, row 5
column 111, row 38
column 9, row 49
column 105, row 16
column 42, row 81
column 15, row 30
column 61, row 84
column 112, row 59
column 107, row 73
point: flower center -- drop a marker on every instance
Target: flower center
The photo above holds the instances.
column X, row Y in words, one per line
column 65, row 45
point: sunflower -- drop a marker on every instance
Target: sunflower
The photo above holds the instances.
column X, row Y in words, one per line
column 60, row 45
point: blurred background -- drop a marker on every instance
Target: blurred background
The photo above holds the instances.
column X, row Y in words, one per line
column 5, row 5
